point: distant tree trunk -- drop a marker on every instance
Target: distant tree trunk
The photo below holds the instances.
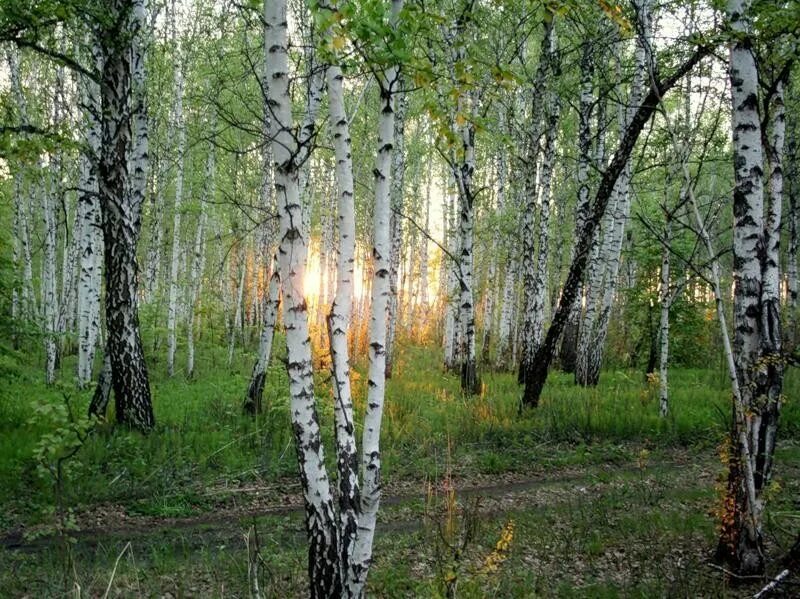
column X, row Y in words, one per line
column 397, row 193
column 424, row 298
column 236, row 323
column 491, row 273
column 451, row 318
column 666, row 300
column 199, row 258
column 530, row 163
column 89, row 235
column 121, row 213
column 569, row 343
column 179, row 126
column 255, row 391
column 323, row 562
column 595, row 329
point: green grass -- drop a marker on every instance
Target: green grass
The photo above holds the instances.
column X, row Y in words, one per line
column 203, row 440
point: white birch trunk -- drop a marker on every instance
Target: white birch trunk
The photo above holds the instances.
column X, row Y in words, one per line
column 381, row 293
column 320, row 516
column 396, row 193
column 199, row 258
column 89, row 235
column 666, row 300
column 338, row 329
column 179, row 126
column 568, row 354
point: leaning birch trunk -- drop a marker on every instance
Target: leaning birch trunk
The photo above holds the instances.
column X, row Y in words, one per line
column 591, row 352
column 90, row 235
column 172, row 306
column 338, row 329
column 370, row 442
column 121, row 210
column 323, row 559
column 546, row 352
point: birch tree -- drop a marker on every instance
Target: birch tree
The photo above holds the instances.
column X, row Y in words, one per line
column 756, row 297
column 121, row 211
column 89, row 234
column 179, row 126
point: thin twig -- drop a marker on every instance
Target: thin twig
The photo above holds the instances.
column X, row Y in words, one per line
column 114, row 571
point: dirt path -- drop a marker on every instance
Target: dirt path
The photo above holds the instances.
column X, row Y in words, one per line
column 234, row 508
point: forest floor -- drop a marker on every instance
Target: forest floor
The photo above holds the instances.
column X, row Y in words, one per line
column 594, row 494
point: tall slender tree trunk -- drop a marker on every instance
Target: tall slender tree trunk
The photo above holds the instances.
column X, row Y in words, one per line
column 397, row 194
column 323, row 560
column 179, row 126
column 381, row 294
column 338, row 329
column 569, row 344
column 757, row 323
column 90, row 237
column 121, row 212
column 199, row 257
column 666, row 300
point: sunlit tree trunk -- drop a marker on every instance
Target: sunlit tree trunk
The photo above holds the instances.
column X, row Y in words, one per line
column 338, row 329
column 397, row 193
column 323, row 560
column 381, row 294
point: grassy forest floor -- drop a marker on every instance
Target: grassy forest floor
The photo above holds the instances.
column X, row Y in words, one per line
column 592, row 495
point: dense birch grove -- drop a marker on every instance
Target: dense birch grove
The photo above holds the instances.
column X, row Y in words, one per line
column 299, row 191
